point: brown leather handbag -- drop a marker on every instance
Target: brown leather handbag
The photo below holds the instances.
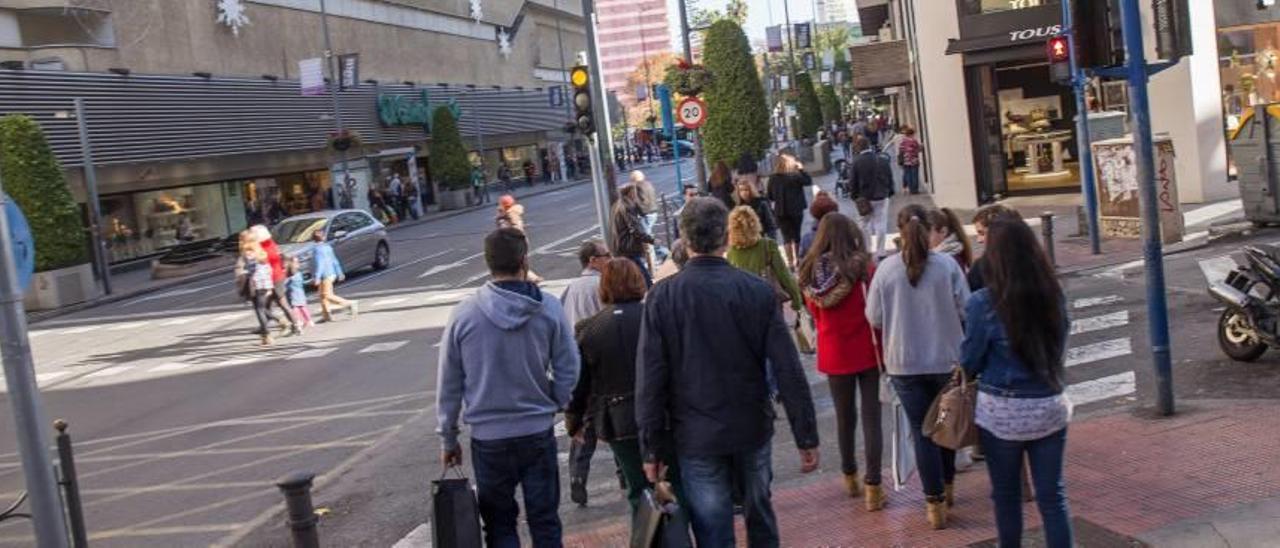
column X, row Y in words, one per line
column 950, row 421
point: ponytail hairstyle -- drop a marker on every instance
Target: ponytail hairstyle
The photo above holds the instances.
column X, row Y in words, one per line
column 1028, row 298
column 913, row 230
column 946, row 218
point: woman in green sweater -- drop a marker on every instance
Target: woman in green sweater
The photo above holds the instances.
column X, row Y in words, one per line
column 751, row 252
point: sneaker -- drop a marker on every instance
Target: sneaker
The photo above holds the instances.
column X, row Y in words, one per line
column 355, row 309
column 578, row 491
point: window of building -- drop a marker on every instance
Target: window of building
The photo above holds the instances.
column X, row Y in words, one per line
column 975, row 7
column 66, row 27
column 1248, row 59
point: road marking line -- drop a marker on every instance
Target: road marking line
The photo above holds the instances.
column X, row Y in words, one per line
column 1099, row 351
column 34, row 334
column 576, row 237
column 449, row 266
column 240, row 361
column 81, row 329
column 1098, row 323
column 1099, row 389
column 313, row 353
column 1087, row 302
column 1118, row 272
column 110, row 371
column 1217, row 268
column 50, row 376
column 389, row 302
column 177, row 321
column 383, row 347
column 227, row 317
column 176, row 366
column 127, row 325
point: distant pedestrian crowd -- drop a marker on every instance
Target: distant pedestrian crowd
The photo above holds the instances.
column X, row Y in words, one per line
column 683, row 377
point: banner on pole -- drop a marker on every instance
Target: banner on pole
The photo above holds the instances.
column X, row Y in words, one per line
column 311, row 76
column 773, row 37
column 349, row 66
column 804, row 35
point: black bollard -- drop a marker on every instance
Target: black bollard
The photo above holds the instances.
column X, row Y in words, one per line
column 70, row 486
column 1046, row 227
column 302, row 515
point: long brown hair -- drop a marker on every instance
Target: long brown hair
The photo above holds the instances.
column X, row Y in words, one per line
column 1028, row 298
column 947, row 219
column 839, row 237
column 721, row 175
column 913, row 231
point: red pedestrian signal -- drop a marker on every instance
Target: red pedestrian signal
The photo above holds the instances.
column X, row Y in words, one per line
column 1059, row 49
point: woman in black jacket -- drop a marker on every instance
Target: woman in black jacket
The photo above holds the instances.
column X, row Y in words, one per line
column 746, row 195
column 605, row 396
column 629, row 236
column 787, row 189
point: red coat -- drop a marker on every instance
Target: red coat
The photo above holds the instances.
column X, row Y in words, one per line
column 273, row 257
column 845, row 346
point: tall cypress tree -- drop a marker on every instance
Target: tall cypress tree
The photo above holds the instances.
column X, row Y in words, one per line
column 830, row 104
column 808, row 107
column 737, row 117
column 34, row 179
column 449, row 163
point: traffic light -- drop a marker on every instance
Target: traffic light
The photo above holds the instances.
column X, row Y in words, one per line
column 1058, row 50
column 1099, row 36
column 580, row 77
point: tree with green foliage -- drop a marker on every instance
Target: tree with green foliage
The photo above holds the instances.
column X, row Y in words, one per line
column 449, row 164
column 34, row 179
column 830, row 104
column 808, row 107
column 737, row 117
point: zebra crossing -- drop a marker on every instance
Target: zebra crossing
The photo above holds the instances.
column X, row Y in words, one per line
column 1092, row 346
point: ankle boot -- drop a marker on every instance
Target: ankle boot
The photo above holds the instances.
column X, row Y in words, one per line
column 949, row 494
column 874, row 498
column 851, row 485
column 936, row 514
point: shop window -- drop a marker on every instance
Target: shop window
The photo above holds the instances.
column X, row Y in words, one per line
column 142, row 224
column 66, row 27
column 976, row 7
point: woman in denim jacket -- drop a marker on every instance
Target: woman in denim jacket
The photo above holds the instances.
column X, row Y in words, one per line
column 1021, row 406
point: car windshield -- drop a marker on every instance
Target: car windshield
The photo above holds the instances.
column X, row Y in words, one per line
column 297, row 231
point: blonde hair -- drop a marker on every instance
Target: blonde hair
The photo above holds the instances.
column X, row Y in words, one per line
column 738, row 185
column 744, row 227
column 250, row 246
column 636, row 176
column 786, row 163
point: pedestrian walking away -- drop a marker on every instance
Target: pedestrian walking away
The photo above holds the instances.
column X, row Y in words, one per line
column 823, row 204
column 835, row 275
column 326, row 270
column 760, row 256
column 917, row 298
column 581, row 300
column 1015, row 344
column 647, row 199
column 787, row 187
column 720, row 184
column 749, row 169
column 253, row 273
column 702, row 390
column 746, row 195
column 630, row 240
column 508, row 342
column 871, row 184
column 604, row 401
column 947, row 236
column 909, row 153
column 297, row 293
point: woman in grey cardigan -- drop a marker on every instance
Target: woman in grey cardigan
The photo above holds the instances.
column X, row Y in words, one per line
column 917, row 298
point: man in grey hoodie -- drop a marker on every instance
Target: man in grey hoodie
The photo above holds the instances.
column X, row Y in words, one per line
column 508, row 353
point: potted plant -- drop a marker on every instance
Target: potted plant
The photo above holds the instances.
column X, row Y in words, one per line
column 688, row 79
column 344, row 140
column 449, row 165
column 34, row 179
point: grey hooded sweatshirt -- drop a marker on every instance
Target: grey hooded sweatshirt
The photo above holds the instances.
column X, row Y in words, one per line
column 511, row 359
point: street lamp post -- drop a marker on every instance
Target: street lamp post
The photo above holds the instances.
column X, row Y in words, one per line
column 331, row 62
column 697, row 134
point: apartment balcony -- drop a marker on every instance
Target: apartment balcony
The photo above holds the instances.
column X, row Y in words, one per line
column 880, row 64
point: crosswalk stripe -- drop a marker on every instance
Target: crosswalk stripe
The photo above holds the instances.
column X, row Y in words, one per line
column 240, row 361
column 126, row 325
column 81, row 329
column 389, row 302
column 50, row 376
column 177, row 321
column 166, row 367
column 1102, row 388
column 1098, row 323
column 1087, row 302
column 383, row 347
column 313, row 353
column 1099, row 351
column 226, row 317
column 108, row 372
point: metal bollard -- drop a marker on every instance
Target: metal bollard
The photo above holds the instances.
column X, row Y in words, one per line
column 70, row 486
column 1082, row 222
column 1046, row 228
column 302, row 515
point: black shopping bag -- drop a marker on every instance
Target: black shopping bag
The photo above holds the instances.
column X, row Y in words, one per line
column 658, row 523
column 455, row 516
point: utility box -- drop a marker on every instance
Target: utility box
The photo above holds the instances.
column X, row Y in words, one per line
column 1255, row 145
column 1119, row 196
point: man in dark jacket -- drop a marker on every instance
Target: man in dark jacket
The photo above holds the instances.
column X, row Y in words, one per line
column 708, row 336
column 871, row 179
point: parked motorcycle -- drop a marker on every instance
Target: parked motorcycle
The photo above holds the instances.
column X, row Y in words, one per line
column 1252, row 294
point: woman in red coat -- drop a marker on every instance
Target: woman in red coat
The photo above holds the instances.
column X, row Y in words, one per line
column 834, row 276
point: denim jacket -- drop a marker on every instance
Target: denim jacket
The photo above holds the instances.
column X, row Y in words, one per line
column 986, row 353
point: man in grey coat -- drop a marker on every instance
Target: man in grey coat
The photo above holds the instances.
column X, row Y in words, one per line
column 581, row 301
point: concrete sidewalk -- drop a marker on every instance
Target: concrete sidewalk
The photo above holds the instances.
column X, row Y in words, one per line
column 1206, row 477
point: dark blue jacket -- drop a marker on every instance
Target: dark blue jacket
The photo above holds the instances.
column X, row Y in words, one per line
column 987, row 354
column 704, row 339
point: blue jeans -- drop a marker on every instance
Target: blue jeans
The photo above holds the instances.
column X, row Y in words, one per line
column 936, row 465
column 708, row 487
column 911, row 178
column 643, row 262
column 527, row 461
column 1004, row 465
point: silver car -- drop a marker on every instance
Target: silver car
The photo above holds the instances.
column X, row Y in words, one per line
column 357, row 238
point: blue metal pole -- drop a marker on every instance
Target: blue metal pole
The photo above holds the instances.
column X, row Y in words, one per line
column 1083, row 139
column 1153, row 254
column 669, row 124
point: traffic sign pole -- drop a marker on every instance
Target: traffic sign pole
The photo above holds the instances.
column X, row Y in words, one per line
column 24, row 401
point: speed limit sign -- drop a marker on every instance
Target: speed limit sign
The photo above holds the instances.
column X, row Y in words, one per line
column 692, row 113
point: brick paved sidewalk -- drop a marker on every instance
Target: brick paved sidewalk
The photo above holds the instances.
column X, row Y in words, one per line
column 1127, row 477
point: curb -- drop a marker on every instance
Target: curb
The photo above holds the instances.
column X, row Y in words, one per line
column 1174, row 249
column 44, row 315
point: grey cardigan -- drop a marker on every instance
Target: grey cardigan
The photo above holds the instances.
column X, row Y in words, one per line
column 922, row 325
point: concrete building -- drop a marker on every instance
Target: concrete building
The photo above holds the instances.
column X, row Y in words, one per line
column 629, row 31
column 197, row 117
column 1010, row 130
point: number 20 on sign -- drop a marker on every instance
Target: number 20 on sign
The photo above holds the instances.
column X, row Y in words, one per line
column 692, row 113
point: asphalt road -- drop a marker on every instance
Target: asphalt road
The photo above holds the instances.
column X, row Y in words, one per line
column 182, row 423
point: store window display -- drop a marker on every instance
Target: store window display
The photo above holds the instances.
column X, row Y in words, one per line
column 146, row 223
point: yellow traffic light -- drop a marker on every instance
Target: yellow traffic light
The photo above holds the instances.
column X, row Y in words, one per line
column 579, row 77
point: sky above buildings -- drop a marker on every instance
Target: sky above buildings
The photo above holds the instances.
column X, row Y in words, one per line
column 760, row 14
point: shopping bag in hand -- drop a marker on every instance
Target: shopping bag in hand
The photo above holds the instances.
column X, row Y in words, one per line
column 803, row 335
column 659, row 523
column 455, row 512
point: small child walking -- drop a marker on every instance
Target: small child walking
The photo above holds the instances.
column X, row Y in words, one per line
column 297, row 293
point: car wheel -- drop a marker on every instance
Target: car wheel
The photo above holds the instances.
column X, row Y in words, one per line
column 382, row 256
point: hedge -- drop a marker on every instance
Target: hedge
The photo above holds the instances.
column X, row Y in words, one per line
column 449, row 164
column 34, row 179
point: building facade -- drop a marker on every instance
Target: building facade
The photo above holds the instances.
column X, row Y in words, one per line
column 199, row 128
column 1012, row 131
column 835, row 11
column 629, row 31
